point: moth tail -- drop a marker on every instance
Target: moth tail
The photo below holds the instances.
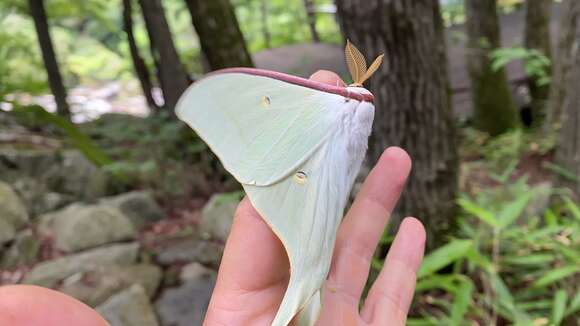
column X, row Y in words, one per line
column 298, row 306
column 310, row 313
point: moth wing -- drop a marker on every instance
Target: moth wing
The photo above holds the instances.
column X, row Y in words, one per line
column 256, row 125
column 305, row 215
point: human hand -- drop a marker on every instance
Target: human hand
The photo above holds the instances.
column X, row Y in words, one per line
column 254, row 271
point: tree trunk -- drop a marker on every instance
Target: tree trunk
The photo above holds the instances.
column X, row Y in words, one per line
column 311, row 16
column 138, row 62
column 569, row 22
column 537, row 37
column 264, row 23
column 219, row 34
column 172, row 75
column 55, row 82
column 412, row 100
column 494, row 109
column 568, row 150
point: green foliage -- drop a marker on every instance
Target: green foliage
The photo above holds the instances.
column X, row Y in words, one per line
column 158, row 153
column 78, row 139
column 286, row 22
column 507, row 265
column 21, row 67
column 536, row 64
column 501, row 154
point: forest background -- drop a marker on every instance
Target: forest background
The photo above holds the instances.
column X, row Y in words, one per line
column 483, row 94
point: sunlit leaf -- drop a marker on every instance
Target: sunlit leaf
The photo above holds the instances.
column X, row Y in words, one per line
column 556, row 275
column 479, row 212
column 443, row 256
column 513, row 210
column 574, row 305
column 559, row 306
column 461, row 302
column 532, row 259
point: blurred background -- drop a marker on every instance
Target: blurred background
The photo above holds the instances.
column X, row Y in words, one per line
column 106, row 196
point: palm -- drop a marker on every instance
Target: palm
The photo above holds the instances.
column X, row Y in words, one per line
column 254, row 271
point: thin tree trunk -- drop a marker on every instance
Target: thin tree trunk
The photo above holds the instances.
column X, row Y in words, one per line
column 220, row 36
column 563, row 61
column 494, row 109
column 55, row 82
column 537, row 37
column 138, row 62
column 172, row 75
column 412, row 100
column 568, row 150
column 311, row 16
column 264, row 23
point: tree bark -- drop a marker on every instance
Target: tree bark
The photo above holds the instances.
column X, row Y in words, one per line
column 38, row 13
column 219, row 34
column 311, row 17
column 138, row 62
column 537, row 37
column 568, row 150
column 172, row 75
column 494, row 109
column 412, row 100
column 563, row 62
column 264, row 23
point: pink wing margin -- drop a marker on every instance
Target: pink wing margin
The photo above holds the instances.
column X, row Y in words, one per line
column 339, row 90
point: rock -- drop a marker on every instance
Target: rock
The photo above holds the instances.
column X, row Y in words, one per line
column 50, row 272
column 185, row 305
column 23, row 251
column 7, row 232
column 13, row 214
column 217, row 215
column 139, row 206
column 29, row 163
column 130, row 307
column 77, row 176
column 37, row 198
column 187, row 250
column 78, row 227
column 194, row 271
column 95, row 286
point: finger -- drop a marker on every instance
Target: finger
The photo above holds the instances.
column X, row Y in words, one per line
column 391, row 295
column 26, row 305
column 363, row 226
column 254, row 264
column 327, row 77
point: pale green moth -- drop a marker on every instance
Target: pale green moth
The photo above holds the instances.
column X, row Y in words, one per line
column 296, row 147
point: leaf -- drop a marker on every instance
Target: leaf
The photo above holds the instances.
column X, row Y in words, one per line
column 559, row 306
column 433, row 282
column 478, row 211
column 530, row 260
column 461, row 302
column 556, row 275
column 444, row 256
column 373, row 67
column 572, row 207
column 550, row 218
column 81, row 141
column 561, row 171
column 574, row 305
column 355, row 61
column 513, row 210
